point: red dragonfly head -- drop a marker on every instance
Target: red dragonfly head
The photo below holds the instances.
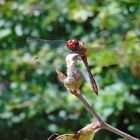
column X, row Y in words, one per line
column 73, row 44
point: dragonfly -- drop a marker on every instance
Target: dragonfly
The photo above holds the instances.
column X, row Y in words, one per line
column 76, row 46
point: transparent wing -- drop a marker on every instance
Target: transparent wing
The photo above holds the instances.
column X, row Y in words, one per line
column 113, row 40
column 46, row 55
column 120, row 29
column 127, row 51
column 109, row 47
column 102, row 44
column 51, row 43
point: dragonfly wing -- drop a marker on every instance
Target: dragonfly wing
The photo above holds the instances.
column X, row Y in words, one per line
column 114, row 54
column 99, row 47
column 114, row 38
column 47, row 53
column 51, row 43
column 119, row 29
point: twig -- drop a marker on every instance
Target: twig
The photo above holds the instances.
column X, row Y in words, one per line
column 102, row 124
column 80, row 97
column 73, row 81
column 119, row 132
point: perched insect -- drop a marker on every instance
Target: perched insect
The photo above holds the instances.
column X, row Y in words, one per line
column 76, row 46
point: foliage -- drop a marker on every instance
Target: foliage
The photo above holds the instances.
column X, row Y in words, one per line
column 33, row 103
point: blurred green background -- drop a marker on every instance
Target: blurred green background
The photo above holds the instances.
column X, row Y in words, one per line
column 33, row 102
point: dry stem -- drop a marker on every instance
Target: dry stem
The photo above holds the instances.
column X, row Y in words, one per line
column 73, row 81
column 102, row 124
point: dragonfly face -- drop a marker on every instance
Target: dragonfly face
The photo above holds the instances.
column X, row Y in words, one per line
column 77, row 46
column 73, row 44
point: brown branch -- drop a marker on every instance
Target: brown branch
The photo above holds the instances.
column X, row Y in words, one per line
column 118, row 132
column 72, row 82
column 102, row 124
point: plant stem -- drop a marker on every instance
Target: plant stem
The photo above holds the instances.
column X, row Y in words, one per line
column 119, row 132
column 102, row 124
column 80, row 97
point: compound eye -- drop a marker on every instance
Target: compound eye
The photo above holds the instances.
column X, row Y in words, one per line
column 72, row 44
